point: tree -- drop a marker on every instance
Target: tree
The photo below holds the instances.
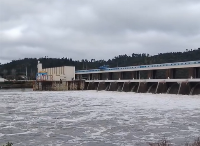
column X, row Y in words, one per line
column 4, row 73
column 8, row 144
column 13, row 72
column 32, row 75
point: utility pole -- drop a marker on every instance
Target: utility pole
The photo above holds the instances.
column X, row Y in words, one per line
column 83, row 65
column 26, row 72
column 31, row 74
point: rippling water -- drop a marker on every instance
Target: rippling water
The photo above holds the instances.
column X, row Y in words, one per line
column 90, row 118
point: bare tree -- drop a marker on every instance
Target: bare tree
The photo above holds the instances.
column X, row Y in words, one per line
column 13, row 72
column 4, row 73
column 32, row 74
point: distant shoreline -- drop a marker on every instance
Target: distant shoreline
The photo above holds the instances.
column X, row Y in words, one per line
column 15, row 85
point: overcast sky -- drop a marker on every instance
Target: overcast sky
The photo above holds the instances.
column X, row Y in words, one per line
column 99, row 29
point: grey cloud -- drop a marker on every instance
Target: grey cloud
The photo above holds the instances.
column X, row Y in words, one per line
column 96, row 29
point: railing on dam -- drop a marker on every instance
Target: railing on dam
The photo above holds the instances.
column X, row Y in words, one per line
column 145, row 67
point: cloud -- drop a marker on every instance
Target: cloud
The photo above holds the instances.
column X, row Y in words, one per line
column 96, row 29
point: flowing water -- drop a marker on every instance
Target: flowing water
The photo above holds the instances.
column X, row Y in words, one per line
column 91, row 118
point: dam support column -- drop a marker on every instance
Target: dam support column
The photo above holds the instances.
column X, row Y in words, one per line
column 102, row 86
column 185, row 88
column 194, row 72
column 173, row 87
column 198, row 72
column 152, row 74
column 110, row 76
column 105, row 76
column 120, row 86
column 89, row 77
column 79, row 77
column 127, row 86
column 136, row 75
column 195, row 88
column 152, row 87
column 161, row 87
column 133, row 75
column 95, row 76
column 142, row 88
column 100, row 76
column 118, row 75
column 107, row 86
column 113, row 86
column 122, row 76
column 82, row 85
column 170, row 73
column 92, row 86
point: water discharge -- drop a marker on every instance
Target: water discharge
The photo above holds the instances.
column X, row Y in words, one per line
column 91, row 118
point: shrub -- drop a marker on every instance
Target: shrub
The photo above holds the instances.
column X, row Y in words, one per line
column 8, row 144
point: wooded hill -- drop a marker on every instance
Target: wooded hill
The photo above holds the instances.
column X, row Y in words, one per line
column 18, row 67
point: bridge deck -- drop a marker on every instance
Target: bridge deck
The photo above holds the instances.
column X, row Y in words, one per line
column 187, row 64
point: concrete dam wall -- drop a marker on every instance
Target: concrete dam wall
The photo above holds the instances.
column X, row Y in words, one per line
column 183, row 88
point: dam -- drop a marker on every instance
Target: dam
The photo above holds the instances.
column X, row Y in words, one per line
column 167, row 78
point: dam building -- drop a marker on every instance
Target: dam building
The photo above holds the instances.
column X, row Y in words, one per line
column 170, row 78
column 63, row 73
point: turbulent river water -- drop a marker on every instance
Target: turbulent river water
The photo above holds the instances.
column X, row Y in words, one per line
column 90, row 118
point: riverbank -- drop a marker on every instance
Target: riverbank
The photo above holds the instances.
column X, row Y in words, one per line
column 16, row 84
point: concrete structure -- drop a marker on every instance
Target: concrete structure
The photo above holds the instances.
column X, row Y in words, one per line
column 134, row 72
column 169, row 78
column 64, row 73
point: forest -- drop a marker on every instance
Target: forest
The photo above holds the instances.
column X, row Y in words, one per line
column 18, row 68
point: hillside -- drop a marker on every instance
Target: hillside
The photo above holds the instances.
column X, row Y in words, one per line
column 18, row 67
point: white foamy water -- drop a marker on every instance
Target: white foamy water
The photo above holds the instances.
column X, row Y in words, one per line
column 90, row 118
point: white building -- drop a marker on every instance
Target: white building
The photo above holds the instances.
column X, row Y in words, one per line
column 2, row 79
column 64, row 73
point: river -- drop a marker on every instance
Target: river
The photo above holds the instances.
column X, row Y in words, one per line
column 91, row 118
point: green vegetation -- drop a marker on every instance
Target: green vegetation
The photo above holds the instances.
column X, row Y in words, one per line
column 16, row 68
column 8, row 144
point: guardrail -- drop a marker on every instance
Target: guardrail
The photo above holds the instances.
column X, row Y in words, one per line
column 142, row 66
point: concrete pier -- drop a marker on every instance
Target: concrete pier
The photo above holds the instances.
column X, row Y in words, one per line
column 155, row 86
column 58, row 86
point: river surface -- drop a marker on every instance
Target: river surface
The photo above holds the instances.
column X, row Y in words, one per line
column 91, row 118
